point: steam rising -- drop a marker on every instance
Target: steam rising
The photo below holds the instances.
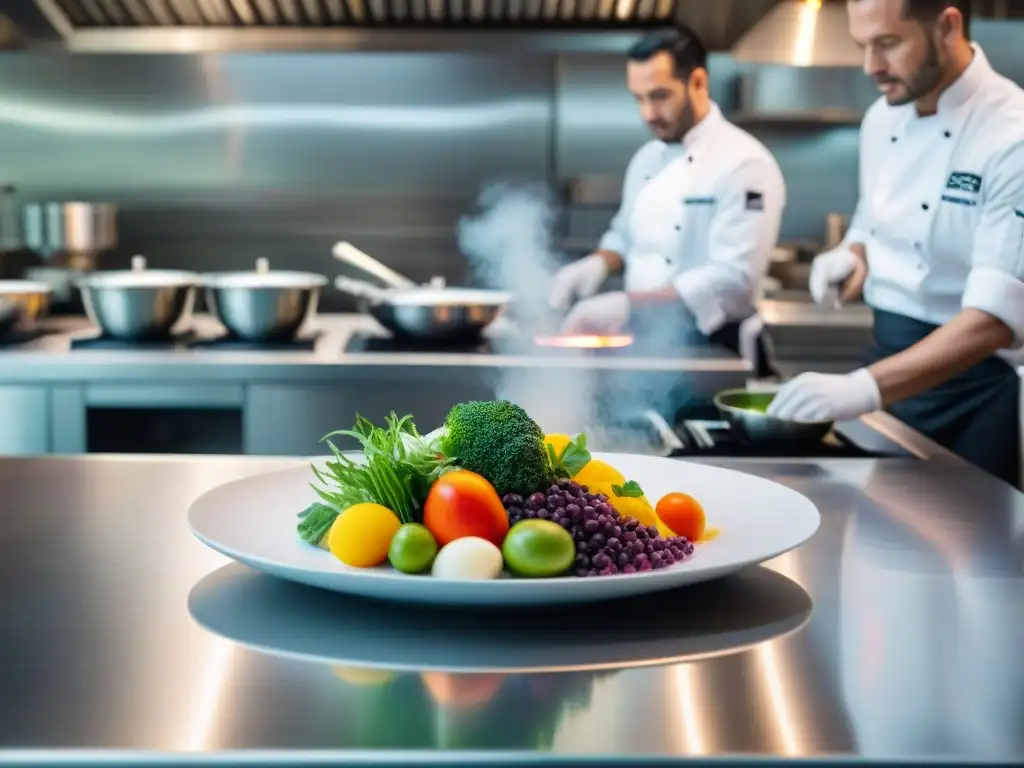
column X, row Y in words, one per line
column 508, row 243
column 509, row 247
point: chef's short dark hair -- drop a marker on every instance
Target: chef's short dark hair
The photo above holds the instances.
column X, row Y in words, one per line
column 681, row 43
column 929, row 10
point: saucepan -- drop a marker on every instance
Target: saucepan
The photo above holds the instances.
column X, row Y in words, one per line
column 431, row 313
column 746, row 412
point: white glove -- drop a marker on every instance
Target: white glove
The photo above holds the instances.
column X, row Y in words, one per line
column 607, row 313
column 578, row 280
column 829, row 269
column 826, row 397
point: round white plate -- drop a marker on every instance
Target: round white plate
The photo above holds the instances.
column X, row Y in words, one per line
column 253, row 521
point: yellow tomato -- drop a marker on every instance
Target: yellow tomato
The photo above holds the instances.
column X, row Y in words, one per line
column 361, row 535
column 557, row 442
column 597, row 472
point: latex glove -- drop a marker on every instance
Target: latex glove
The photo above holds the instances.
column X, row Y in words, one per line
column 607, row 313
column 827, row 397
column 578, row 280
column 829, row 269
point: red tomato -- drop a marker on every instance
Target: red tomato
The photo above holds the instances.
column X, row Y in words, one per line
column 462, row 503
column 683, row 514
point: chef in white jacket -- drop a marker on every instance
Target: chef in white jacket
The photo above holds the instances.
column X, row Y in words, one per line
column 937, row 241
column 700, row 210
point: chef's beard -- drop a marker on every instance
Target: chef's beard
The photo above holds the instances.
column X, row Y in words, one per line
column 681, row 127
column 924, row 81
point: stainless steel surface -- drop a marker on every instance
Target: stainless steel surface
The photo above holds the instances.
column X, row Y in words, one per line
column 802, row 33
column 826, row 96
column 138, row 303
column 263, row 304
column 745, row 411
column 911, row 652
column 88, row 227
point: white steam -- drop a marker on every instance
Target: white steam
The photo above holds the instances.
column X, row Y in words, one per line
column 509, row 247
column 508, row 243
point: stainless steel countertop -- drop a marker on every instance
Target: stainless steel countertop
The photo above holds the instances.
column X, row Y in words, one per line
column 895, row 633
column 50, row 358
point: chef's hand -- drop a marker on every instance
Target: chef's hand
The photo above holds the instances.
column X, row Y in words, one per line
column 846, row 265
column 822, row 397
column 578, row 280
column 607, row 313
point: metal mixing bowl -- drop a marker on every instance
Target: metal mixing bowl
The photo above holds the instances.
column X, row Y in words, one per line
column 745, row 411
column 139, row 303
column 263, row 305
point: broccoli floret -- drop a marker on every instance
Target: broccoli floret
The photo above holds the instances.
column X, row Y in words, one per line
column 499, row 440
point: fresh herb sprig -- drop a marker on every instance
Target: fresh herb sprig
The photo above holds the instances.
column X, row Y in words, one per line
column 571, row 459
column 397, row 471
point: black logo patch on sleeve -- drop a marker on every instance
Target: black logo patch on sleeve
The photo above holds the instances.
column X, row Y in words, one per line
column 964, row 182
column 755, row 201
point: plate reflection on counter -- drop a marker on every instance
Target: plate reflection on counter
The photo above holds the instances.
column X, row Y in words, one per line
column 716, row 618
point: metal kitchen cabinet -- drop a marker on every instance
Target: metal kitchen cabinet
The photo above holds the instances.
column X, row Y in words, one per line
column 24, row 420
column 290, row 420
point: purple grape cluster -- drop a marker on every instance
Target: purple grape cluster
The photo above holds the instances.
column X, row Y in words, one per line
column 606, row 542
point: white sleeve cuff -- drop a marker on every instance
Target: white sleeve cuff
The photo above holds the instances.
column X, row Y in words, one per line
column 694, row 289
column 1001, row 295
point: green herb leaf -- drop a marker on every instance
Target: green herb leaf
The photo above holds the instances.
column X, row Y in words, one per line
column 573, row 458
column 317, row 520
column 397, row 470
column 631, row 490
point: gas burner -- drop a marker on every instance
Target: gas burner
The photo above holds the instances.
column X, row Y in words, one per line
column 99, row 341
column 710, row 437
column 369, row 342
column 233, row 344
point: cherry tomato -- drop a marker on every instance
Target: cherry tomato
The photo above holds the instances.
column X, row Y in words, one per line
column 683, row 514
column 462, row 503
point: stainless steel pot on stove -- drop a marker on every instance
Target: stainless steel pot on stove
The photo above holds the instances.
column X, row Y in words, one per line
column 139, row 303
column 423, row 312
column 264, row 304
column 746, row 412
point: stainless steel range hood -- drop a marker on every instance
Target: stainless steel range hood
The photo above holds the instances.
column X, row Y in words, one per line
column 802, row 33
column 215, row 25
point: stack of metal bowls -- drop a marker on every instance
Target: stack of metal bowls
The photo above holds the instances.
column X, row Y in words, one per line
column 140, row 303
column 264, row 304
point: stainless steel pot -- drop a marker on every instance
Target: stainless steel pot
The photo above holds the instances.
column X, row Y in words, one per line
column 745, row 411
column 431, row 313
column 139, row 303
column 264, row 304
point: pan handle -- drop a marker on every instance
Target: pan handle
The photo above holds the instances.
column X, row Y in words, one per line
column 348, row 254
column 359, row 288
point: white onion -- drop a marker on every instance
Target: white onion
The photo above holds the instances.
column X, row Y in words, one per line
column 468, row 558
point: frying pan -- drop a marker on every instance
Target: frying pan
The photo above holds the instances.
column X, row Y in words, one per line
column 431, row 313
column 745, row 411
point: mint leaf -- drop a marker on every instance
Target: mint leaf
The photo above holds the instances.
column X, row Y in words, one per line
column 630, row 490
column 573, row 458
column 316, row 521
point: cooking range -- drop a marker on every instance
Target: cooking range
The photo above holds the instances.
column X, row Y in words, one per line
column 190, row 340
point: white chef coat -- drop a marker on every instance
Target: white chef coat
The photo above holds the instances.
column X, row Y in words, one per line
column 941, row 211
column 703, row 216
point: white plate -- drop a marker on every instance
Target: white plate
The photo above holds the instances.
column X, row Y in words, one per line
column 254, row 520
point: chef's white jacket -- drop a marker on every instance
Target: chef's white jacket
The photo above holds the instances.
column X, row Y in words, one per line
column 703, row 216
column 941, row 211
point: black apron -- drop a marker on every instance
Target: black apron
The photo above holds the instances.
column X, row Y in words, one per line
column 975, row 415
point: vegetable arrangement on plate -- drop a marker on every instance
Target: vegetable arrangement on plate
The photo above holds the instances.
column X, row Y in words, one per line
column 488, row 495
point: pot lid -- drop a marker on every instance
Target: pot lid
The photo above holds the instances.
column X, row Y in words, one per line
column 138, row 277
column 9, row 287
column 446, row 296
column 264, row 277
